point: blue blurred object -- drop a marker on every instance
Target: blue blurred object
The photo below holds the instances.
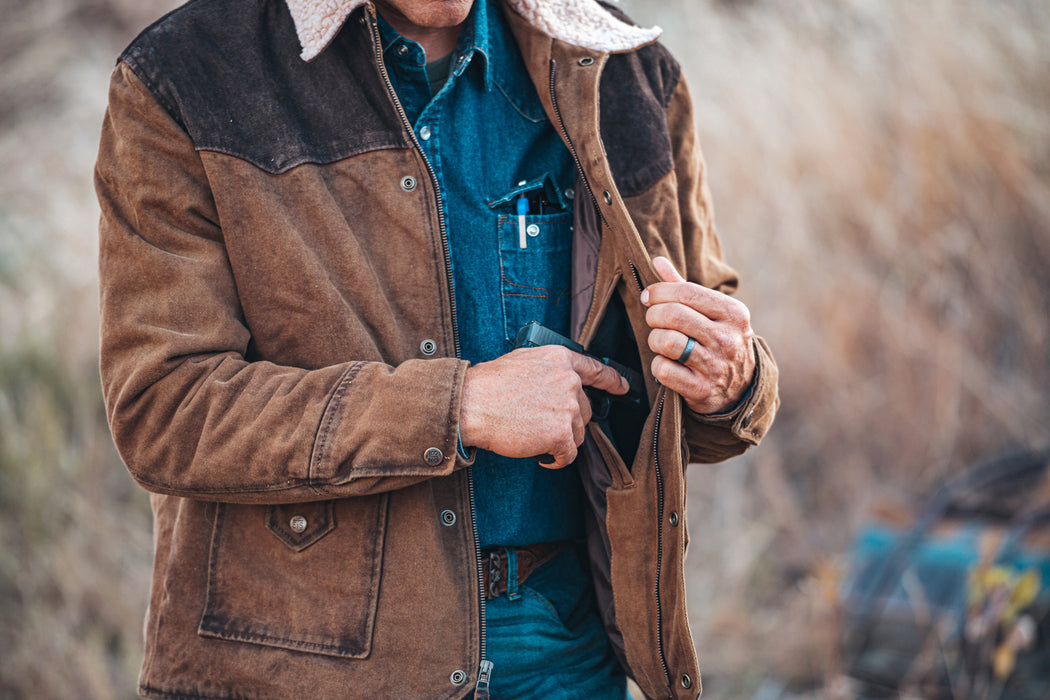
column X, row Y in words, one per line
column 956, row 604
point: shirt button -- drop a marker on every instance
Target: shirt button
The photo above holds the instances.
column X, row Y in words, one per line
column 448, row 518
column 402, row 50
column 424, row 133
column 408, row 183
column 458, row 678
column 533, row 230
column 298, row 524
column 428, row 347
column 433, row 456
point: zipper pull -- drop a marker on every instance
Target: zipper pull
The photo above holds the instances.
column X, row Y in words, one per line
column 523, row 209
column 481, row 689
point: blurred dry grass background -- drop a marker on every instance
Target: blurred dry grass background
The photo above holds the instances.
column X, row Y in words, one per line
column 881, row 171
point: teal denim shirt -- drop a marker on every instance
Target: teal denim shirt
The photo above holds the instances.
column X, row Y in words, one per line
column 491, row 146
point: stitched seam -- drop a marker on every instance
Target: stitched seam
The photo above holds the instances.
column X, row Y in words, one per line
column 330, row 411
column 321, row 157
column 151, row 86
column 454, row 450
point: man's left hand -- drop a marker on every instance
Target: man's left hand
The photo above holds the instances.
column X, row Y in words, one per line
column 721, row 364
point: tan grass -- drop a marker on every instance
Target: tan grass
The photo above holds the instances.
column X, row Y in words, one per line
column 881, row 170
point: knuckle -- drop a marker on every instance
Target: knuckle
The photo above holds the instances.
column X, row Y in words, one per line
column 655, row 315
column 738, row 312
column 680, row 315
column 659, row 368
column 695, row 295
column 654, row 340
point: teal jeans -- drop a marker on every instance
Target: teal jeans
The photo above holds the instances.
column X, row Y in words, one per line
column 546, row 640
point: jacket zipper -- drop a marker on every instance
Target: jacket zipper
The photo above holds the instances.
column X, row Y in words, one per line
column 659, row 408
column 572, row 146
column 485, row 666
column 579, row 167
column 660, row 539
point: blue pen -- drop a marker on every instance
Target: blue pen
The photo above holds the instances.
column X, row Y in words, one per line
column 523, row 209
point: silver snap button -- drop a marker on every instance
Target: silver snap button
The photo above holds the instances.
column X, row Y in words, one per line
column 458, row 678
column 428, row 347
column 746, row 422
column 569, row 193
column 607, row 196
column 424, row 133
column 687, row 682
column 586, row 61
column 402, row 50
column 433, row 456
column 408, row 183
column 674, row 518
column 533, row 230
column 298, row 523
column 448, row 518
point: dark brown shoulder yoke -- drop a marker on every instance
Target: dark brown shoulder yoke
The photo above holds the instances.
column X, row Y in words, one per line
column 635, row 91
column 229, row 72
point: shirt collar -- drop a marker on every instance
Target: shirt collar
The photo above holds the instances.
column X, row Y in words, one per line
column 476, row 37
column 582, row 23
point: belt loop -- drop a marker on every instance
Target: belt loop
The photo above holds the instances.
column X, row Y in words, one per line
column 512, row 573
column 494, row 575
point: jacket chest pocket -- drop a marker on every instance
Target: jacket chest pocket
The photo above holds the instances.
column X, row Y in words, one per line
column 301, row 576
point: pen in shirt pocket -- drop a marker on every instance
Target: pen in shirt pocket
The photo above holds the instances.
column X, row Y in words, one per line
column 523, row 209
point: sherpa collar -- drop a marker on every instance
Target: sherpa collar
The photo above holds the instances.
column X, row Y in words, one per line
column 582, row 23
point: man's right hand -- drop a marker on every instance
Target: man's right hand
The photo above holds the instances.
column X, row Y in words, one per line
column 531, row 402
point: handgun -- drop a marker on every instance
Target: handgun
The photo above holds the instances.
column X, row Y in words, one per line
column 533, row 335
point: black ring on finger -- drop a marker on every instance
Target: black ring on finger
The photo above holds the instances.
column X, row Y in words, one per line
column 684, row 357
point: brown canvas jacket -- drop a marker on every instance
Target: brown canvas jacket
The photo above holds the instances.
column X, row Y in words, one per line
column 279, row 349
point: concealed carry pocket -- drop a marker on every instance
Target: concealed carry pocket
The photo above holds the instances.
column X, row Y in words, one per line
column 535, row 253
column 300, row 576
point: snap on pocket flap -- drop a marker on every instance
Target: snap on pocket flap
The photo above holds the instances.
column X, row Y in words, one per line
column 300, row 525
column 313, row 591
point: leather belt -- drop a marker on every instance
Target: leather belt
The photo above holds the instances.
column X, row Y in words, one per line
column 494, row 564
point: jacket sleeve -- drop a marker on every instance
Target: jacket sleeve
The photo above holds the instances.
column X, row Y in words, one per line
column 189, row 414
column 713, row 438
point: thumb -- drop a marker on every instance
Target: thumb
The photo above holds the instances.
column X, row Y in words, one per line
column 666, row 270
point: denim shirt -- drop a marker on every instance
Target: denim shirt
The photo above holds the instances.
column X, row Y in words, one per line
column 493, row 149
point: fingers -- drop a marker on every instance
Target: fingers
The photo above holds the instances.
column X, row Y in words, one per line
column 676, row 376
column 585, row 413
column 594, row 373
column 708, row 302
column 672, row 343
column 666, row 269
column 563, row 454
column 562, row 458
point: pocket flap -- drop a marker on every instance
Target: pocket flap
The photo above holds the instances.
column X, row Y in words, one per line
column 302, row 524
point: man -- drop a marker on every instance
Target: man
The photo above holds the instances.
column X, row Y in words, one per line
column 322, row 225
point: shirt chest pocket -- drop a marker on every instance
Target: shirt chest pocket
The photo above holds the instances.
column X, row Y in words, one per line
column 535, row 257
